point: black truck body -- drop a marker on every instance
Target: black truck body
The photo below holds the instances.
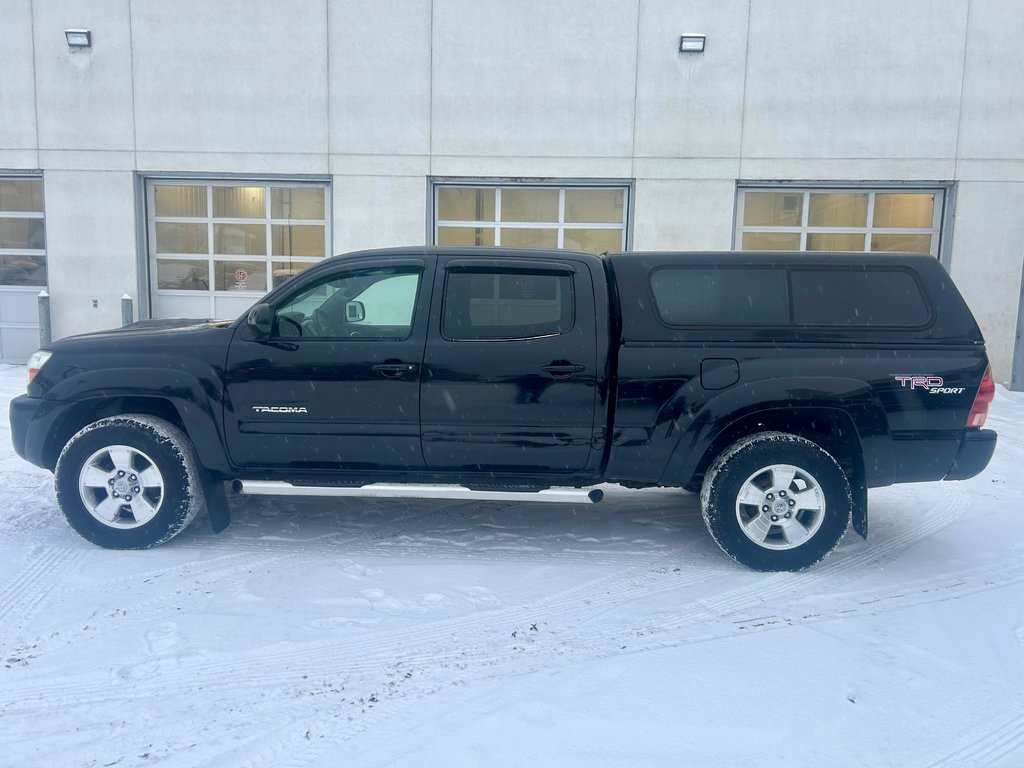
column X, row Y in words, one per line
column 516, row 371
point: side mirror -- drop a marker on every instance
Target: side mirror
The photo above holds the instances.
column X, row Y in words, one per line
column 261, row 319
column 355, row 312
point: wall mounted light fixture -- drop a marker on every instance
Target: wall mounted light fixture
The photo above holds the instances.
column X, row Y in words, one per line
column 692, row 43
column 78, row 38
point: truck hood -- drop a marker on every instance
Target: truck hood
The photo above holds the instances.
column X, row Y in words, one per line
column 152, row 327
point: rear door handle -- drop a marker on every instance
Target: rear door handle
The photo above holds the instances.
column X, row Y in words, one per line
column 394, row 369
column 560, row 370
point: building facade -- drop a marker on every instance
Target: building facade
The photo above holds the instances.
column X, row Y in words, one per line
column 193, row 155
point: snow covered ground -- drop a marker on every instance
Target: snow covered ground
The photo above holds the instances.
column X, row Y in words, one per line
column 383, row 633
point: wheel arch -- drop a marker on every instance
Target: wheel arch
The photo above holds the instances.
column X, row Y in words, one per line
column 84, row 412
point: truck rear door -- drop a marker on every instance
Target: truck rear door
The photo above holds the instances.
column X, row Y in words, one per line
column 510, row 366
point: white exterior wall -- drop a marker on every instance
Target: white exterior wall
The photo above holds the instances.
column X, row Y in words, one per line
column 381, row 95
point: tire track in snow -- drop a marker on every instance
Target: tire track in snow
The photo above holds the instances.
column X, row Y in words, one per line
column 989, row 748
column 24, row 595
column 145, row 610
column 290, row 744
column 373, row 648
column 371, row 651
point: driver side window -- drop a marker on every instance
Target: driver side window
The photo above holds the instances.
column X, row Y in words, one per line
column 375, row 303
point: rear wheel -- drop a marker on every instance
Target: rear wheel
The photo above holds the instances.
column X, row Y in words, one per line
column 776, row 502
column 129, row 482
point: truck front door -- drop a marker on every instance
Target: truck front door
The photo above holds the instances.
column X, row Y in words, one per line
column 335, row 386
column 510, row 367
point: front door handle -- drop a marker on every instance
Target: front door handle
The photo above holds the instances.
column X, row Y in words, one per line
column 561, row 369
column 394, row 369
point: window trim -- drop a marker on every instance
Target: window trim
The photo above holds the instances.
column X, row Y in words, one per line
column 940, row 230
column 434, row 183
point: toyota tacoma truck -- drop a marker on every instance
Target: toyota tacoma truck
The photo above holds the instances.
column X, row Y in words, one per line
column 778, row 386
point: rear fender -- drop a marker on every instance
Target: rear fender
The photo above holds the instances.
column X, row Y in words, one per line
column 700, row 433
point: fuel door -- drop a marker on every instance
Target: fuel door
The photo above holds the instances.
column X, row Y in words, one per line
column 718, row 372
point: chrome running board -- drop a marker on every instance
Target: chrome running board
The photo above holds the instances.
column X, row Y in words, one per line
column 403, row 491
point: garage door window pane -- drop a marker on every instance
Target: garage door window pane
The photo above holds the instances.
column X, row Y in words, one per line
column 465, row 204
column 904, row 210
column 771, row 241
column 297, row 203
column 239, row 203
column 240, row 276
column 22, row 233
column 181, row 238
column 22, row 270
column 838, row 210
column 286, row 270
column 231, row 239
column 772, row 209
column 179, row 200
column 465, row 236
column 526, row 204
column 911, row 243
column 835, row 242
column 593, row 206
column 297, row 240
column 23, row 195
column 183, row 274
column 592, row 240
column 530, row 238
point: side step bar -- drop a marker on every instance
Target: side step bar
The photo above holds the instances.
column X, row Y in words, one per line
column 403, row 491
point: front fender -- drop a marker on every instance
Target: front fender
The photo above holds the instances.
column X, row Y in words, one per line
column 197, row 402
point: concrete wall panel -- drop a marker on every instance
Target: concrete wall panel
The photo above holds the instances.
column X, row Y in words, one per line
column 533, row 78
column 869, row 79
column 379, row 212
column 84, row 95
column 380, row 76
column 988, row 253
column 232, row 76
column 683, row 215
column 17, row 87
column 90, row 239
column 690, row 105
column 993, row 102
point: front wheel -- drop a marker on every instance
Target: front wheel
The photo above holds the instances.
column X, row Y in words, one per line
column 129, row 482
column 776, row 502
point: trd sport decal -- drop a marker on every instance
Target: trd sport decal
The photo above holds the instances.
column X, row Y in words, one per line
column 933, row 384
column 280, row 409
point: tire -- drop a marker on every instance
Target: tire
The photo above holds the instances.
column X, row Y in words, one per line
column 129, row 482
column 776, row 502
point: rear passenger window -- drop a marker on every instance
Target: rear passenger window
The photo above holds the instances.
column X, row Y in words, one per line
column 723, row 296
column 495, row 304
column 857, row 297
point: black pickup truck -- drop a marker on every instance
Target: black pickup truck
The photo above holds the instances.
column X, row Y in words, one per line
column 779, row 386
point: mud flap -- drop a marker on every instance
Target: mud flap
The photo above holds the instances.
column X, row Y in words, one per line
column 216, row 504
column 859, row 491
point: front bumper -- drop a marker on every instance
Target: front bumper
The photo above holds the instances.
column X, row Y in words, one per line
column 28, row 442
column 974, row 454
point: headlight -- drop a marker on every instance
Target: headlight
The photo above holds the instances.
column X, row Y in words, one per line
column 37, row 361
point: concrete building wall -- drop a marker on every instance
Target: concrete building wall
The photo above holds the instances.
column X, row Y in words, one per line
column 381, row 96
